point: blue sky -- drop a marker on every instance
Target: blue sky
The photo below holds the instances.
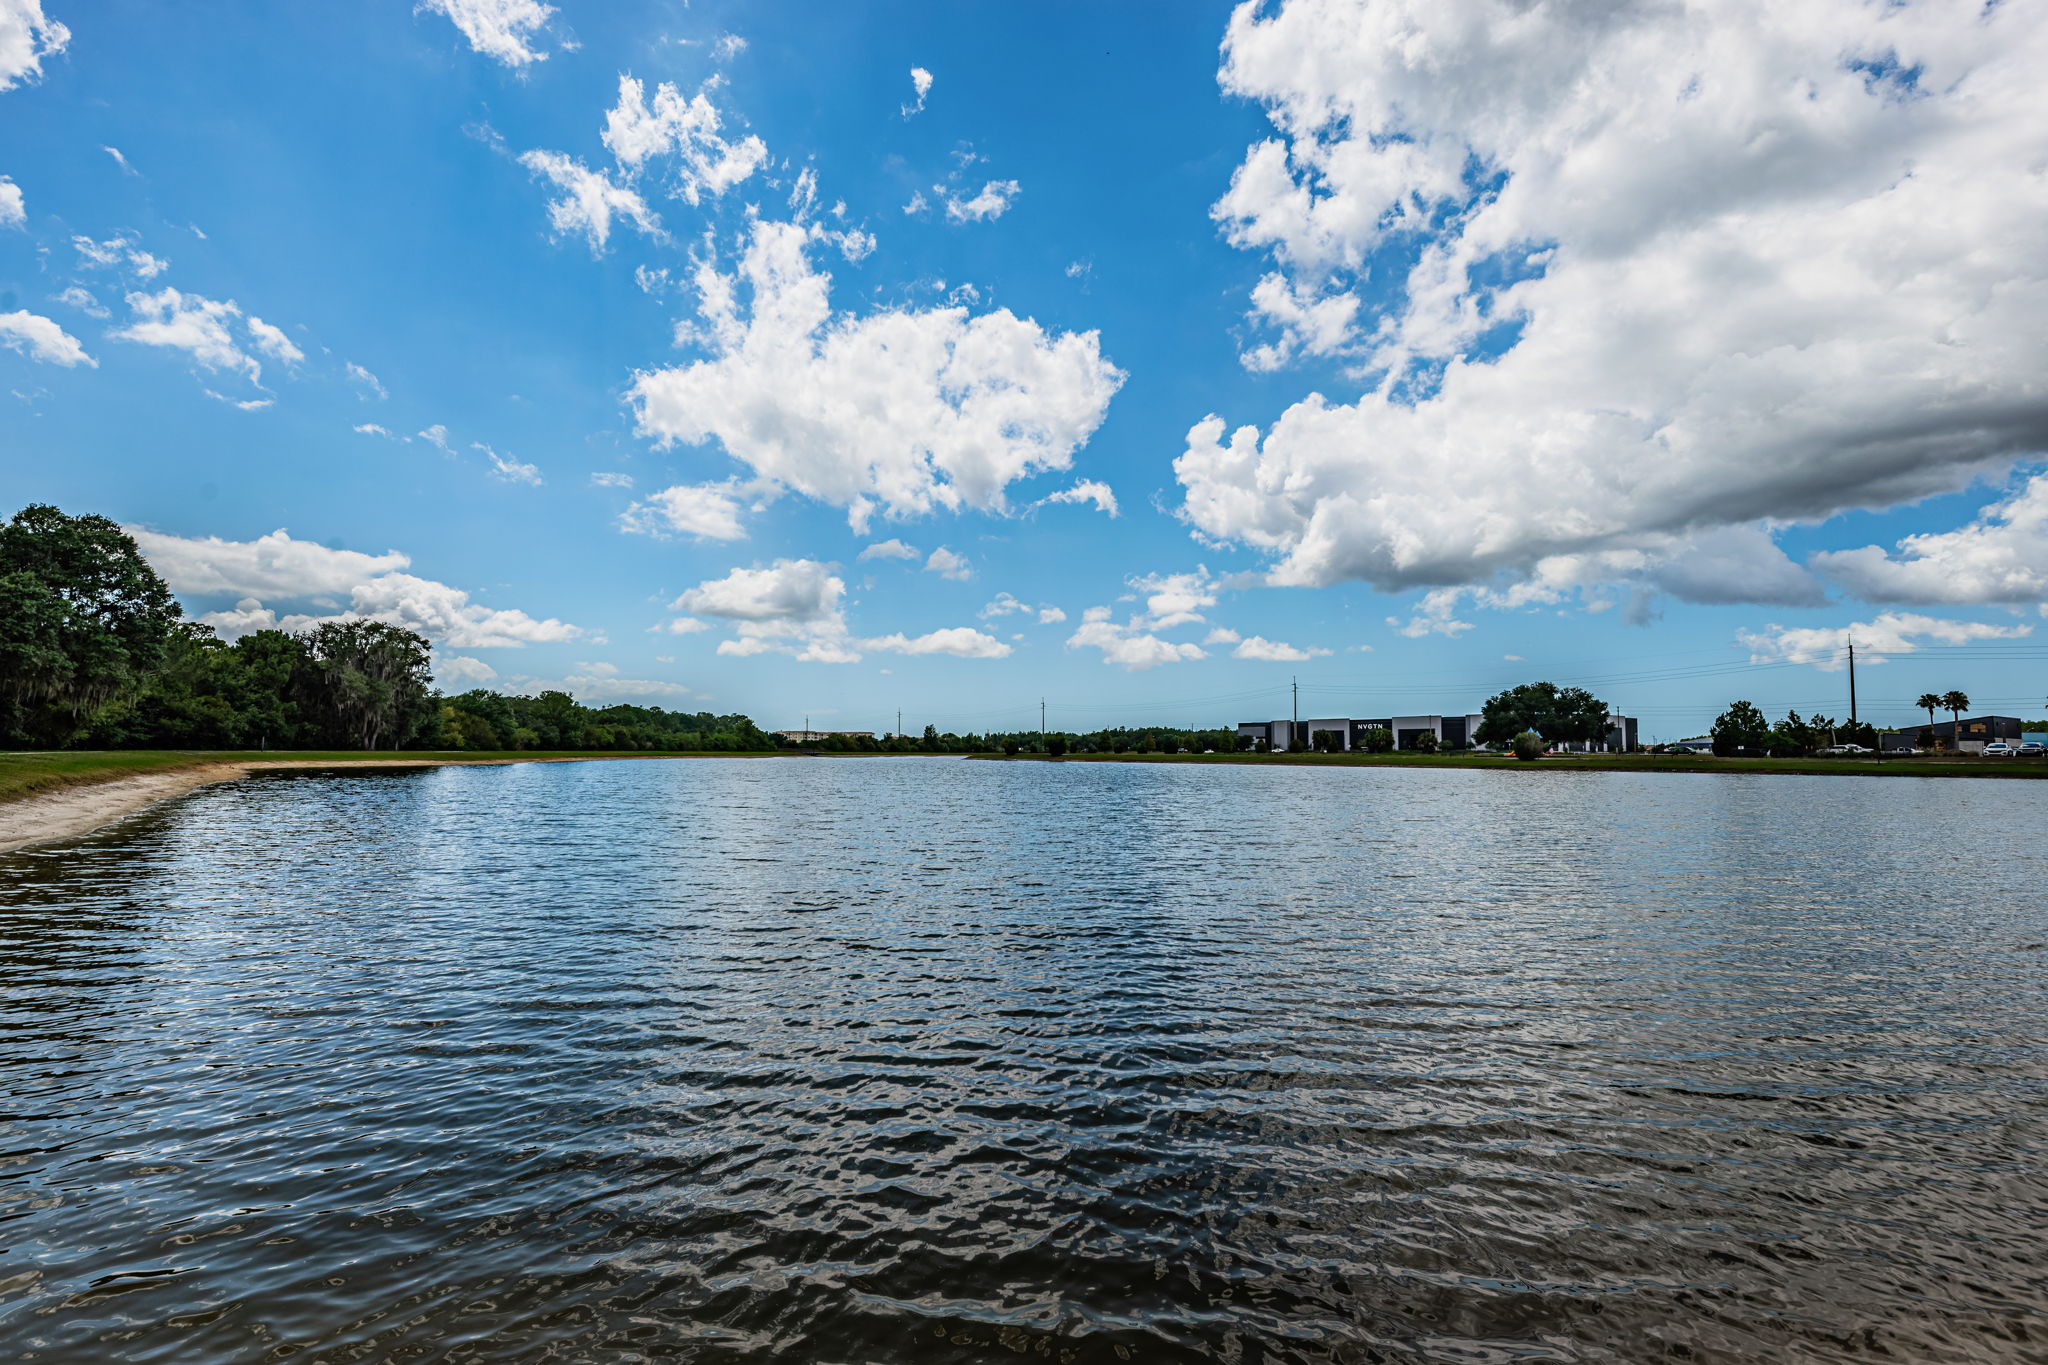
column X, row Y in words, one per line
column 1656, row 351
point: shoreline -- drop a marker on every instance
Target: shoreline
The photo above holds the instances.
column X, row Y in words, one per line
column 71, row 805
column 1997, row 769
column 69, row 809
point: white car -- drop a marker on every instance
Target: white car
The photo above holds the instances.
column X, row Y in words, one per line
column 2000, row 751
column 1844, row 749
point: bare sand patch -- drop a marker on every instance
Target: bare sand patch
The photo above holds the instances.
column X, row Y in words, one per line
column 68, row 812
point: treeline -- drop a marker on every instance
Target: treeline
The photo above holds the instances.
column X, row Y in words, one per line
column 95, row 652
column 1743, row 730
column 1153, row 740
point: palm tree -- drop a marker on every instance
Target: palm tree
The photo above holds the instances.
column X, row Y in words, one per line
column 1930, row 702
column 1955, row 703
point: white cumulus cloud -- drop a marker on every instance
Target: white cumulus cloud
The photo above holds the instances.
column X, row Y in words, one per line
column 193, row 324
column 118, row 253
column 273, row 342
column 921, row 82
column 1274, row 651
column 1128, row 647
column 686, row 129
column 503, row 30
column 990, row 202
column 899, row 411
column 793, row 607
column 358, row 375
column 1652, row 271
column 1888, row 634
column 589, row 199
column 890, row 549
column 278, row 568
column 1175, row 599
column 707, row 511
column 1093, row 491
column 946, row 564
column 962, row 642
column 2002, row 557
column 39, row 338
column 13, row 210
column 456, row 671
column 802, row 590
column 509, row 470
column 27, row 35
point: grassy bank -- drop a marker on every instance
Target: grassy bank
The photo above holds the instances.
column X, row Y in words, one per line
column 1924, row 766
column 27, row 774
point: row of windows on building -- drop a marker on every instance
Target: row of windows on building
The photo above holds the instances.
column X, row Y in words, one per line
column 1449, row 732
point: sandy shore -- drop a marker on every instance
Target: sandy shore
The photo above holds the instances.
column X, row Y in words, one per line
column 71, row 811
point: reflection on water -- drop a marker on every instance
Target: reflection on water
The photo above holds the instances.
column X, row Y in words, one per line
column 932, row 1060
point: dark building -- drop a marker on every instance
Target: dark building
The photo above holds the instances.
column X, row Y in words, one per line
column 1974, row 734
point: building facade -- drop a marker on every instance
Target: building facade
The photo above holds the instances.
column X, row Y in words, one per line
column 1970, row 737
column 1450, row 732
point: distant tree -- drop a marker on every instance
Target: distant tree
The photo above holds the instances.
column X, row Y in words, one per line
column 930, row 740
column 1558, row 713
column 83, row 620
column 1528, row 746
column 368, row 682
column 1326, row 741
column 1955, row 703
column 1056, row 745
column 1262, row 745
column 1010, row 746
column 1377, row 740
column 1791, row 736
column 270, row 661
column 1930, row 702
column 1244, row 743
column 1424, row 742
column 1741, row 727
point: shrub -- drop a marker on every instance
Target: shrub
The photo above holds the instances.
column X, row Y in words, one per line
column 1377, row 740
column 1424, row 742
column 1010, row 747
column 1528, row 746
column 1056, row 745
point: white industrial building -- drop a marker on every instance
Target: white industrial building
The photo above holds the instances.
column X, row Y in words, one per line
column 1450, row 731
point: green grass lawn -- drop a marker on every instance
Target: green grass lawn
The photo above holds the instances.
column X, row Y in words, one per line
column 1926, row 766
column 24, row 774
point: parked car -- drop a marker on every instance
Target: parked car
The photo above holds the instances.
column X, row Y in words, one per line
column 2032, row 750
column 1843, row 749
column 1999, row 750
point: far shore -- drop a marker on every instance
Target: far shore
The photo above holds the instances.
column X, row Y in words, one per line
column 54, row 795
column 1912, row 766
column 60, row 794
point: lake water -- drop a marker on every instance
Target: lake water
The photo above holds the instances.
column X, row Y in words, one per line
column 932, row 1060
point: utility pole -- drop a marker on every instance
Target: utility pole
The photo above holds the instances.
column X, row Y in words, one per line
column 1041, row 721
column 1852, row 680
column 1294, row 730
column 899, row 723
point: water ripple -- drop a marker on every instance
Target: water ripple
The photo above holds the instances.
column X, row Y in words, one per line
column 922, row 1059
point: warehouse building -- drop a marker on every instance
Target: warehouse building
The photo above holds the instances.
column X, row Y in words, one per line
column 1450, row 732
column 1969, row 737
